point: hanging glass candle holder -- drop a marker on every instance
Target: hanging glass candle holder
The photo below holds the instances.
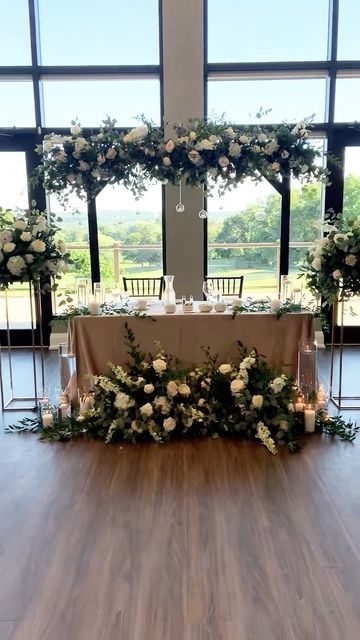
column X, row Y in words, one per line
column 82, row 289
column 286, row 288
column 307, row 369
column 99, row 292
column 180, row 207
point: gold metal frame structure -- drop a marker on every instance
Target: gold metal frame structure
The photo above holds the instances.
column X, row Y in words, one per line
column 339, row 399
column 14, row 403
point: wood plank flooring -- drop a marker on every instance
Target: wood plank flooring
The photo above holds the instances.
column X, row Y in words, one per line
column 195, row 540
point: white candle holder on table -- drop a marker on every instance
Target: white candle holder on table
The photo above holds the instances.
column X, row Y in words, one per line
column 309, row 418
column 307, row 369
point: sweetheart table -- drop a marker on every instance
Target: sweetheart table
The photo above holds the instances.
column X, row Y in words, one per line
column 97, row 340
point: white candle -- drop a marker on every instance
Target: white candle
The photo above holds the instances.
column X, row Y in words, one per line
column 275, row 305
column 94, row 307
column 47, row 419
column 299, row 406
column 64, row 410
column 309, row 416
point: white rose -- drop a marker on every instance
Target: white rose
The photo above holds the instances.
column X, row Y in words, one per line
column 80, row 144
column 195, row 157
column 127, row 138
column 337, row 274
column 25, row 236
column 172, row 389
column 234, row 150
column 184, row 390
column 225, row 368
column 75, row 130
column 48, row 146
column 40, row 225
column 192, row 135
column 262, row 137
column 257, row 401
column 166, row 161
column 16, row 264
column 223, row 161
column 284, row 425
column 9, row 247
column 275, row 166
column 62, row 247
column 29, row 258
column 111, row 154
column 134, row 427
column 38, row 246
column 229, row 132
column 351, row 260
column 138, row 134
column 159, row 365
column 184, row 139
column 149, row 388
column 213, row 139
column 244, row 139
column 205, row 144
column 271, row 146
column 169, row 424
column 146, row 410
column 170, row 146
column 316, row 264
column 6, row 236
column 237, row 386
column 20, row 224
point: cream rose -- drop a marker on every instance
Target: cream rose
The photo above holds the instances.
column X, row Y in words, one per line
column 225, row 368
column 172, row 389
column 244, row 139
column 184, row 390
column 16, row 265
column 25, row 236
column 9, row 247
column 257, row 401
column 205, row 144
column 237, row 386
column 316, row 264
column 75, row 130
column 6, row 236
column 20, row 225
column 38, row 246
column 195, row 157
column 262, row 137
column 351, row 260
column 223, row 161
column 159, row 365
column 48, row 146
column 123, row 401
column 149, row 388
column 146, row 410
column 29, row 258
column 234, row 150
column 169, row 424
column 192, row 135
column 337, row 274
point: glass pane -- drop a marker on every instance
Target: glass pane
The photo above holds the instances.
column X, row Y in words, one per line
column 263, row 32
column 103, row 32
column 92, row 100
column 17, row 104
column 14, row 196
column 348, row 40
column 347, row 99
column 249, row 216
column 290, row 100
column 15, row 33
column 130, row 234
column 351, row 209
column 74, row 232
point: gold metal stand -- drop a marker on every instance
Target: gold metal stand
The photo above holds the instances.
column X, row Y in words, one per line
column 14, row 403
column 339, row 398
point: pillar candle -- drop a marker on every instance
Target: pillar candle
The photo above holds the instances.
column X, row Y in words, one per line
column 94, row 307
column 275, row 305
column 47, row 419
column 309, row 417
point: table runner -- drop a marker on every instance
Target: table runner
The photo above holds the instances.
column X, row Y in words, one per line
column 97, row 340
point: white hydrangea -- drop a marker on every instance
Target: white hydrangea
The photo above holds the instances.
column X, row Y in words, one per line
column 123, row 401
column 277, row 384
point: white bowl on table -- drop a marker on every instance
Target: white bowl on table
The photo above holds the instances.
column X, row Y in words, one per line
column 205, row 307
column 169, row 307
column 141, row 304
column 220, row 307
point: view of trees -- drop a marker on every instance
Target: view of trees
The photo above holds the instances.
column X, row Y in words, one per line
column 223, row 227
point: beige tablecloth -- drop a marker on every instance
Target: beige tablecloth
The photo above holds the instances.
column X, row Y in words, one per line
column 97, row 340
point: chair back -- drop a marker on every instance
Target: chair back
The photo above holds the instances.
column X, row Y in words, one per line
column 142, row 287
column 227, row 285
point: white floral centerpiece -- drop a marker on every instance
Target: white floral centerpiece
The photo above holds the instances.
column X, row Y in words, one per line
column 29, row 250
column 332, row 265
column 86, row 162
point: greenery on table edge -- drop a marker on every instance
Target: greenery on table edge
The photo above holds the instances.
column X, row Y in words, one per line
column 106, row 309
column 155, row 399
column 255, row 306
column 84, row 163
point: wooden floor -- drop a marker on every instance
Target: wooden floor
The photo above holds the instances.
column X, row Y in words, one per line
column 195, row 540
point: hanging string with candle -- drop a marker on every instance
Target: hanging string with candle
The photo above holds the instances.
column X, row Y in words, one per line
column 180, row 207
column 203, row 213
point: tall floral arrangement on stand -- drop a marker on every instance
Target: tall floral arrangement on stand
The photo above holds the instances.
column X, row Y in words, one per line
column 29, row 249
column 332, row 264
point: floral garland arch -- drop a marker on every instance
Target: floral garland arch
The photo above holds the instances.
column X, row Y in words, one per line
column 84, row 163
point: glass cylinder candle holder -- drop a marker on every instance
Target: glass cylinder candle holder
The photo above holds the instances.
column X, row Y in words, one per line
column 67, row 366
column 307, row 369
column 99, row 292
column 286, row 288
column 82, row 290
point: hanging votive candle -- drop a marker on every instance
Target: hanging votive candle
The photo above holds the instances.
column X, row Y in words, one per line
column 99, row 292
column 307, row 369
